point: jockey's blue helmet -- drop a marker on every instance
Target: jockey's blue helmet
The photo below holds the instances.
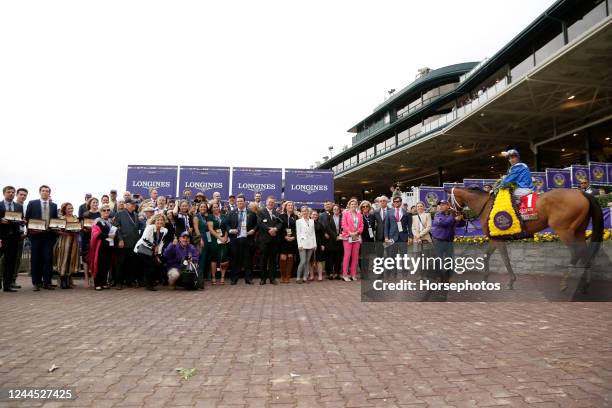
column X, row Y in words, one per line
column 511, row 152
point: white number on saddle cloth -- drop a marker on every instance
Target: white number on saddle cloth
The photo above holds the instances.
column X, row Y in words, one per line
column 528, row 209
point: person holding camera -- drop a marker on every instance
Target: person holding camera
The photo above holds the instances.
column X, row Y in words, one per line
column 181, row 260
column 149, row 249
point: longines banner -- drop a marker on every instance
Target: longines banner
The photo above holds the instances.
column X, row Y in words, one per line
column 205, row 179
column 140, row 179
column 558, row 178
column 250, row 180
column 309, row 186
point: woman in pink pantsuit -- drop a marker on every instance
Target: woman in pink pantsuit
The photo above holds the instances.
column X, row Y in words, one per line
column 352, row 226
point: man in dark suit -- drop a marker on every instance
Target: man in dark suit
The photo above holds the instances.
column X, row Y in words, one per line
column 381, row 215
column 42, row 241
column 398, row 224
column 9, row 237
column 128, row 233
column 269, row 226
column 242, row 225
column 324, row 219
column 398, row 228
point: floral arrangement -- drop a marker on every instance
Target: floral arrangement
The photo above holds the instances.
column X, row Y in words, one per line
column 503, row 220
column 538, row 237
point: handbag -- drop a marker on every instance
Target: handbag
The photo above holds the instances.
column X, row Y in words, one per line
column 144, row 250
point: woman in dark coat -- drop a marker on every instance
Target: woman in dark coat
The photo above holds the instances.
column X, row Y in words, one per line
column 367, row 235
column 319, row 255
column 334, row 248
column 288, row 243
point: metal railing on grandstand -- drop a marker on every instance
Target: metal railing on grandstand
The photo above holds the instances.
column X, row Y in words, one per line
column 419, row 130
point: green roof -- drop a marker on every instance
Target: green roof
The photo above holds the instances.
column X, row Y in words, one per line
column 427, row 81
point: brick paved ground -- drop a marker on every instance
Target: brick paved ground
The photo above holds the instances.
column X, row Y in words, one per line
column 303, row 346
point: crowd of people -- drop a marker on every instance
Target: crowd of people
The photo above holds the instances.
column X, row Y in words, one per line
column 132, row 241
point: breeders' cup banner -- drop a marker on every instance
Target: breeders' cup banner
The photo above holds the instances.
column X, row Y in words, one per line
column 558, row 178
column 141, row 179
column 249, row 180
column 539, row 181
column 309, row 187
column 431, row 195
column 598, row 173
column 478, row 183
column 579, row 173
column 206, row 180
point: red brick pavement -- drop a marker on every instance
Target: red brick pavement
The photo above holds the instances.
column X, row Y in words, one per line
column 312, row 345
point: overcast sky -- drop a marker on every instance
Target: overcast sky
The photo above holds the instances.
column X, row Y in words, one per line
column 88, row 87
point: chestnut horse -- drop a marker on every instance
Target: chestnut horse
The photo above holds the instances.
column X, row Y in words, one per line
column 566, row 211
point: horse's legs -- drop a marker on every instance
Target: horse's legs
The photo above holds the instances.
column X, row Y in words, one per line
column 569, row 240
column 583, row 255
column 490, row 249
column 503, row 251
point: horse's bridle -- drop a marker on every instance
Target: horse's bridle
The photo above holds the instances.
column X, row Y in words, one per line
column 455, row 206
column 454, row 203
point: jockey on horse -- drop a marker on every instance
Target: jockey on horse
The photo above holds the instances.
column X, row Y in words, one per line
column 518, row 174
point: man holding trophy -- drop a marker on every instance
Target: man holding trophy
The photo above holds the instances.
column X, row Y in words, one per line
column 11, row 218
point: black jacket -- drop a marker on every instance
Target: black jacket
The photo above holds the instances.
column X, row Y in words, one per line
column 233, row 222
column 265, row 223
column 10, row 230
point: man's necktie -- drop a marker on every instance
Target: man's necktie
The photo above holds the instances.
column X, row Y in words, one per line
column 45, row 211
column 397, row 217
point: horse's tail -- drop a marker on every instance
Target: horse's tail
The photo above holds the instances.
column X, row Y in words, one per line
column 598, row 227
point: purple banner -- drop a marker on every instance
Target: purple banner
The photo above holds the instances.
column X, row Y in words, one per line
column 141, row 179
column 473, row 183
column 312, row 205
column 609, row 173
column 558, row 178
column 309, row 186
column 431, row 195
column 579, row 173
column 206, row 180
column 598, row 173
column 490, row 182
column 539, row 181
column 449, row 186
column 249, row 180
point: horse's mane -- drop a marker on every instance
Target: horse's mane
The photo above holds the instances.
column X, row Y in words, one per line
column 476, row 189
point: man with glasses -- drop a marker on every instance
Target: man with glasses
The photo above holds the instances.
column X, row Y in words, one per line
column 398, row 228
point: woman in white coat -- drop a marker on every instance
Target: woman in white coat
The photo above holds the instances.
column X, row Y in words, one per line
column 306, row 242
column 149, row 249
column 421, row 231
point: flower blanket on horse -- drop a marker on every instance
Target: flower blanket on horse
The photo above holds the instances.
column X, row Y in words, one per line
column 504, row 220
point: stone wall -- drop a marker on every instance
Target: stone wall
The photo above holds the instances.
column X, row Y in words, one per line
column 547, row 258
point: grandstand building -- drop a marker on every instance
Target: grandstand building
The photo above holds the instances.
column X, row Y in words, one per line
column 547, row 92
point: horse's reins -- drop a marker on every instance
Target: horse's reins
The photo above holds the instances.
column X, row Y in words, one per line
column 455, row 206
